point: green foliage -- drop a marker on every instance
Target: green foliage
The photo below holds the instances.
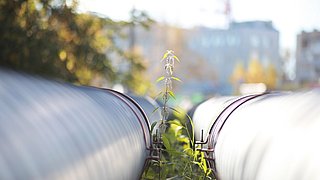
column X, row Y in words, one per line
column 175, row 78
column 172, row 94
column 134, row 78
column 49, row 38
column 178, row 158
column 160, row 79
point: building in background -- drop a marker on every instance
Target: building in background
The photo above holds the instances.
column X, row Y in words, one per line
column 209, row 56
column 308, row 58
column 243, row 41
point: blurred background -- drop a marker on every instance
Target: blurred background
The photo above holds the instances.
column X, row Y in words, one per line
column 226, row 47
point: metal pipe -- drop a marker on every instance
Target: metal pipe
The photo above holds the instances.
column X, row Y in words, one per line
column 149, row 106
column 204, row 118
column 270, row 136
column 51, row 130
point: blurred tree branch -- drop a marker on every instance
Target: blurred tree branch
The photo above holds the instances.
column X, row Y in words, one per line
column 49, row 38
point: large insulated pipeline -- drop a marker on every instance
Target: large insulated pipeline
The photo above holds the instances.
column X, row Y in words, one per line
column 149, row 106
column 51, row 130
column 266, row 136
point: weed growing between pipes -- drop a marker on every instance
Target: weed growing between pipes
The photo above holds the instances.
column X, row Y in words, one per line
column 173, row 152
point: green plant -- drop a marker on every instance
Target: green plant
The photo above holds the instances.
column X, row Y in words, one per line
column 173, row 140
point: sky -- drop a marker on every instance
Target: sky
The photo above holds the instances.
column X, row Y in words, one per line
column 289, row 17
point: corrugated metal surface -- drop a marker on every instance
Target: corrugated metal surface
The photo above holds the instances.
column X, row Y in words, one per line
column 50, row 130
column 206, row 114
column 148, row 105
column 275, row 136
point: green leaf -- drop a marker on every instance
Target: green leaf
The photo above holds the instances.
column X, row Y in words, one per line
column 160, row 79
column 188, row 149
column 153, row 125
column 175, row 110
column 197, row 163
column 155, row 110
column 191, row 135
column 166, row 142
column 176, row 122
column 175, row 57
column 147, row 168
column 174, row 152
column 172, row 94
column 157, row 96
column 191, row 123
column 172, row 178
column 164, row 172
column 165, row 55
column 175, row 78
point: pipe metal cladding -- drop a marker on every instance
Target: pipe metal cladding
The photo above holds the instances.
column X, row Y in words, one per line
column 148, row 105
column 50, row 130
column 271, row 136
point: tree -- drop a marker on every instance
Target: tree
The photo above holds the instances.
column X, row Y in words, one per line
column 271, row 77
column 239, row 74
column 255, row 72
column 135, row 79
column 49, row 38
